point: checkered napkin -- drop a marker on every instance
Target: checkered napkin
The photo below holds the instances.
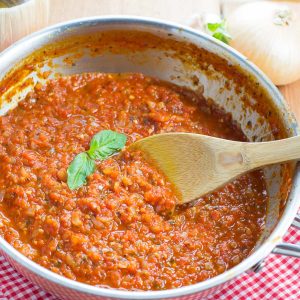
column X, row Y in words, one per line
column 279, row 280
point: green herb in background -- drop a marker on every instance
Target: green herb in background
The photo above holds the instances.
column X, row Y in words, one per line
column 218, row 31
column 103, row 144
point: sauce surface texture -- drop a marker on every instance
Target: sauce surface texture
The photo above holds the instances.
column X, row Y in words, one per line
column 122, row 228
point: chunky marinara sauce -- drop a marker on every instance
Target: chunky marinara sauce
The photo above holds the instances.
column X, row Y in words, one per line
column 117, row 230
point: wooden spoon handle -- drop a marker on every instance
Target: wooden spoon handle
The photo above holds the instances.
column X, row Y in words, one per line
column 256, row 155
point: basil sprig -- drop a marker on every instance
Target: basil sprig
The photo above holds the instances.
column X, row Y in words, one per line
column 103, row 144
column 218, row 31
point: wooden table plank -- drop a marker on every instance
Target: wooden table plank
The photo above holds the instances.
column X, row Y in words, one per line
column 173, row 10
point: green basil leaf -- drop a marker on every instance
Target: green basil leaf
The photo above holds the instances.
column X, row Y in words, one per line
column 222, row 37
column 213, row 26
column 106, row 143
column 224, row 32
column 81, row 167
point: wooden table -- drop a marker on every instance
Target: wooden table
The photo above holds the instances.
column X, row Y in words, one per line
column 174, row 10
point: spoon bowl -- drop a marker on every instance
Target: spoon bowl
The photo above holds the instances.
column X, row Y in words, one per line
column 198, row 164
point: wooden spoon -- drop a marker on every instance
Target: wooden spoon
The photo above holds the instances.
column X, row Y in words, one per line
column 197, row 164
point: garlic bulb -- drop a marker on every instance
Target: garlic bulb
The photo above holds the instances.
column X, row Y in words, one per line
column 268, row 33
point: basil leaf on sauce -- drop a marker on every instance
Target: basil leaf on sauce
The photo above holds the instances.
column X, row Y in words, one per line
column 105, row 144
column 81, row 167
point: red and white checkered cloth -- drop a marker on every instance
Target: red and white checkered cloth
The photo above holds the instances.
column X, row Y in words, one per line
column 279, row 280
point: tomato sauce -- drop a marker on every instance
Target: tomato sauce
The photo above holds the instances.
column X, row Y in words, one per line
column 122, row 229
